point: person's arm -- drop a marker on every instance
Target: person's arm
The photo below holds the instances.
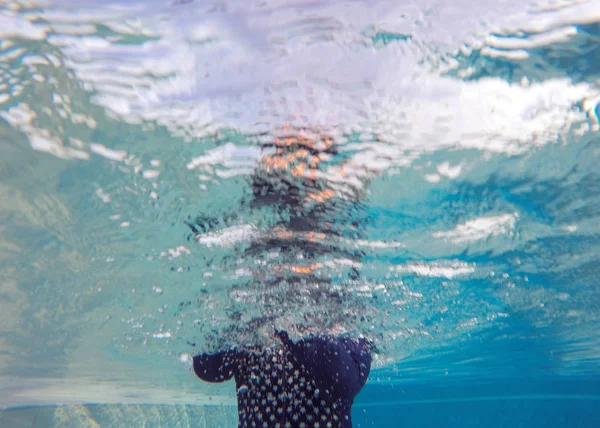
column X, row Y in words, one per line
column 340, row 365
column 216, row 367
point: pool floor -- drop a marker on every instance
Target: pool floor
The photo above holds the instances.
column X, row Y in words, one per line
column 533, row 412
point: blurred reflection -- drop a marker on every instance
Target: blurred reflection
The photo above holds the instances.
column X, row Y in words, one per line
column 314, row 216
column 313, row 381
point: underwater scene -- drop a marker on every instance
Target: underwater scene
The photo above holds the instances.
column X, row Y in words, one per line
column 184, row 177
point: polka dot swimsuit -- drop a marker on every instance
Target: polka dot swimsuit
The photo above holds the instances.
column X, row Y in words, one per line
column 272, row 392
column 285, row 387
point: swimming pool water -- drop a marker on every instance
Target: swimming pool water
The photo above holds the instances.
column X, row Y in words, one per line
column 432, row 169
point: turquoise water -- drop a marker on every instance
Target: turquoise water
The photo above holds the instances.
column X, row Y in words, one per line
column 452, row 213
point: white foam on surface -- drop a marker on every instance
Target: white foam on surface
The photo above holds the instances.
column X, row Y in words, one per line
column 102, row 150
column 229, row 236
column 448, row 270
column 480, row 228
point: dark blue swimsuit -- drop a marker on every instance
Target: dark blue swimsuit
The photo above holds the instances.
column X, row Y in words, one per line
column 311, row 383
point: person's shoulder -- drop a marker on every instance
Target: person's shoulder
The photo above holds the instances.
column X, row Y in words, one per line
column 216, row 367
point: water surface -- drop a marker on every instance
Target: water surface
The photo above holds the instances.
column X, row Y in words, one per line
column 452, row 215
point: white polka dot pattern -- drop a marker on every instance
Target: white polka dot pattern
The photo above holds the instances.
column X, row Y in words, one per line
column 273, row 393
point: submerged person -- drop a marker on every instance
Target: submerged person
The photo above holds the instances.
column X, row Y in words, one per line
column 310, row 383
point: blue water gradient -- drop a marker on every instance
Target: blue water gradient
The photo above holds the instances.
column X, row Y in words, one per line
column 451, row 212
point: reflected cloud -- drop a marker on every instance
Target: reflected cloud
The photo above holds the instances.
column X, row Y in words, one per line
column 448, row 270
column 480, row 229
